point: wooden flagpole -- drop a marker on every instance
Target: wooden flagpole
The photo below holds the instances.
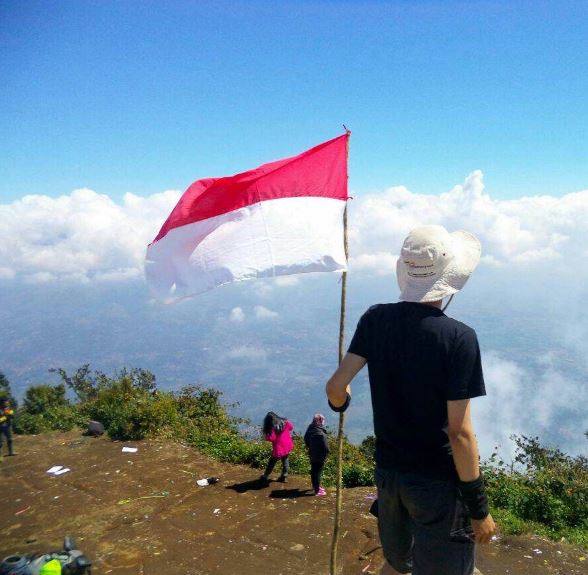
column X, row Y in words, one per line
column 339, row 493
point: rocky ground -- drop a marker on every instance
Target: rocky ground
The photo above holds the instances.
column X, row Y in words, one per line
column 143, row 514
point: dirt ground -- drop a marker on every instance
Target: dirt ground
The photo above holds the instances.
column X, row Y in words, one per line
column 143, row 514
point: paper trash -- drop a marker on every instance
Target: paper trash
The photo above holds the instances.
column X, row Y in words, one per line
column 62, row 471
column 129, row 449
column 207, row 481
column 55, row 468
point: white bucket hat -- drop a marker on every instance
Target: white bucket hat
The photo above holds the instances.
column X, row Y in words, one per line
column 435, row 264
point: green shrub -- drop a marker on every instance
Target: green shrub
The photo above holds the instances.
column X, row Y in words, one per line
column 6, row 391
column 86, row 385
column 543, row 487
column 29, row 424
column 202, row 408
column 40, row 398
column 46, row 408
column 131, row 412
column 356, row 475
column 368, row 447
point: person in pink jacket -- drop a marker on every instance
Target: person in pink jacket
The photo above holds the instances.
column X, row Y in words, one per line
column 277, row 430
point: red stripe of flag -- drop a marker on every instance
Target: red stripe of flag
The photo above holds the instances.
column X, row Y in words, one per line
column 318, row 172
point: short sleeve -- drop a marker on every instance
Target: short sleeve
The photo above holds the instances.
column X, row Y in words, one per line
column 360, row 344
column 466, row 379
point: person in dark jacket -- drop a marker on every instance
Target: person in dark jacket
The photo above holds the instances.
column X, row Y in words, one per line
column 316, row 442
column 6, row 417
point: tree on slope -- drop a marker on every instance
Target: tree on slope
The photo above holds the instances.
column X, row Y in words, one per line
column 6, row 391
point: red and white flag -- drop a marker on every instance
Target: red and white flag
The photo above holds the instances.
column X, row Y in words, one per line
column 285, row 217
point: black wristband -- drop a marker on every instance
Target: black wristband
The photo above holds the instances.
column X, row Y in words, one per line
column 473, row 495
column 342, row 407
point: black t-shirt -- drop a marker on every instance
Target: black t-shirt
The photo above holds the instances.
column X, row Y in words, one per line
column 418, row 359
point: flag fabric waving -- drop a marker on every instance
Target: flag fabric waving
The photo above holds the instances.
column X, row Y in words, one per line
column 282, row 218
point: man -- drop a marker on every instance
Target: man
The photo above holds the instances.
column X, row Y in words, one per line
column 424, row 368
column 6, row 415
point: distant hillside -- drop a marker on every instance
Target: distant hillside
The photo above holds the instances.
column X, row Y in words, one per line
column 278, row 352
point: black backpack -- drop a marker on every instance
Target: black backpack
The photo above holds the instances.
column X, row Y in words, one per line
column 95, row 429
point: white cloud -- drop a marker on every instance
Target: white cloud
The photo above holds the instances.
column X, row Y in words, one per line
column 529, row 399
column 266, row 287
column 522, row 232
column 237, row 315
column 7, row 273
column 118, row 275
column 84, row 235
column 40, row 278
column 286, row 281
column 262, row 288
column 247, row 353
column 496, row 416
column 89, row 236
column 262, row 312
column 381, row 263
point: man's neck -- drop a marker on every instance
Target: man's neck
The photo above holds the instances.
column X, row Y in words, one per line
column 438, row 304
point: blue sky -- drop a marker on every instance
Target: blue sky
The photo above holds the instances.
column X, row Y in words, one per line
column 145, row 96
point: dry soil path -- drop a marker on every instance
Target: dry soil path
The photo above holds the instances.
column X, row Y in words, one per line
column 143, row 514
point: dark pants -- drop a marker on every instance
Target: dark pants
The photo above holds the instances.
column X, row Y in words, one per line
column 424, row 526
column 6, row 430
column 316, row 468
column 272, row 463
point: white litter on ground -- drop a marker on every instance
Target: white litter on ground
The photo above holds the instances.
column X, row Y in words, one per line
column 130, row 449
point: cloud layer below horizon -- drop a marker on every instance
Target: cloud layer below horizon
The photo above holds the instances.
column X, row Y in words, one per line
column 86, row 236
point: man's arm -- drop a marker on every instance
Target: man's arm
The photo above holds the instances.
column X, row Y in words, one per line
column 463, row 439
column 465, row 456
column 338, row 384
